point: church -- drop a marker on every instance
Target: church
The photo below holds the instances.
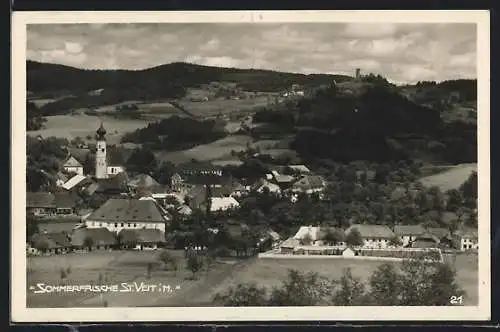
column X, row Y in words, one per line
column 104, row 166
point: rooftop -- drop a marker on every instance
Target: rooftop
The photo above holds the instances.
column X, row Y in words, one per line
column 119, row 209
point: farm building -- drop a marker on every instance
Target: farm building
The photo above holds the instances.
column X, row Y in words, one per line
column 374, row 236
column 73, row 166
column 120, row 213
column 309, row 184
column 141, row 239
column 467, row 239
column 408, row 233
column 93, row 239
column 46, row 204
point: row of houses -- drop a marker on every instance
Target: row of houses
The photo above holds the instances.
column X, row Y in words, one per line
column 383, row 237
column 91, row 239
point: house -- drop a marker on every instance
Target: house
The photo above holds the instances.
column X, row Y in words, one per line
column 374, row 236
column 282, row 180
column 141, row 239
column 223, row 204
column 65, row 203
column 443, row 234
column 312, row 233
column 408, row 233
column 143, row 181
column 467, row 239
column 426, row 240
column 72, row 165
column 93, row 239
column 61, row 179
column 40, row 203
column 300, row 169
column 76, row 181
column 260, row 186
column 115, row 185
column 51, row 243
column 184, row 210
column 176, row 182
column 288, row 246
column 323, row 236
column 199, row 169
column 121, row 213
column 309, row 184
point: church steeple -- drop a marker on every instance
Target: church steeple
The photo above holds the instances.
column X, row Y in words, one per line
column 100, row 156
column 101, row 132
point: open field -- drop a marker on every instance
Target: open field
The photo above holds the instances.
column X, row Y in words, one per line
column 130, row 267
column 214, row 107
column 220, row 149
column 452, row 178
column 271, row 272
column 71, row 126
column 115, row 268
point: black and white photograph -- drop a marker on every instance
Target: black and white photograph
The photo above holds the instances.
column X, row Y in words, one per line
column 223, row 166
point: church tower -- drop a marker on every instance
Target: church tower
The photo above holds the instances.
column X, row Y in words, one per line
column 100, row 155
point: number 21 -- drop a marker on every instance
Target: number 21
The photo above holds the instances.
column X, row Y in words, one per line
column 456, row 300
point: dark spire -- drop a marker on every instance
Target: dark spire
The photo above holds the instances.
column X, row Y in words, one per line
column 101, row 132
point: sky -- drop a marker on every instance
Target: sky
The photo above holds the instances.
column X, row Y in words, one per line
column 404, row 53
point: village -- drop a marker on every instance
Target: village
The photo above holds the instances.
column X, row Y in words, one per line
column 140, row 214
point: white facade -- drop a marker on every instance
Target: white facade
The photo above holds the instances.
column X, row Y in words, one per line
column 406, row 239
column 100, row 160
column 74, row 169
column 119, row 225
column 468, row 244
column 113, row 170
column 375, row 243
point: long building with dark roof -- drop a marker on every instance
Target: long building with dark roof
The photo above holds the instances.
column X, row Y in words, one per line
column 118, row 213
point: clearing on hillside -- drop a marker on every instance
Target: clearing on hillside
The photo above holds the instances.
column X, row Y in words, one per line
column 452, row 178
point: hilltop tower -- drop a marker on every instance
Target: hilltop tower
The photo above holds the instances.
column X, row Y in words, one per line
column 358, row 73
column 100, row 154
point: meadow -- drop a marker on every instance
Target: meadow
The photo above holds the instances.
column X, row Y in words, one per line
column 113, row 268
column 271, row 272
column 71, row 126
column 220, row 149
column 224, row 106
column 452, row 178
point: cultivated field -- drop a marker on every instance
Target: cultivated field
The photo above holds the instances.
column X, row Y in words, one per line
column 71, row 126
column 225, row 107
column 115, row 268
column 450, row 179
column 220, row 149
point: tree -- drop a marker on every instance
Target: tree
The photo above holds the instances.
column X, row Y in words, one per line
column 354, row 238
column 243, row 295
column 333, row 237
column 395, row 241
column 454, row 200
column 385, row 287
column 142, row 160
column 194, row 262
column 349, row 290
column 168, row 260
column 301, row 289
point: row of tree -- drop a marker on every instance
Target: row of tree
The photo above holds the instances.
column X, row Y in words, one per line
column 416, row 282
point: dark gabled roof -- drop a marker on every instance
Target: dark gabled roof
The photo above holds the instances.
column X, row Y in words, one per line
column 128, row 210
column 62, row 239
column 191, row 166
column 402, row 230
column 324, row 230
column 467, row 233
column 309, row 182
column 65, row 200
column 40, row 200
column 372, row 231
column 43, row 241
column 143, row 181
column 116, row 183
column 59, row 225
column 72, row 162
column 141, row 236
column 427, row 237
column 80, row 154
column 209, row 179
column 438, row 232
column 99, row 236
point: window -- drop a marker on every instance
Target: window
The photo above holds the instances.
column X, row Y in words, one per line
column 128, row 225
column 135, row 225
column 116, row 224
column 102, row 150
column 123, row 224
column 100, row 224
